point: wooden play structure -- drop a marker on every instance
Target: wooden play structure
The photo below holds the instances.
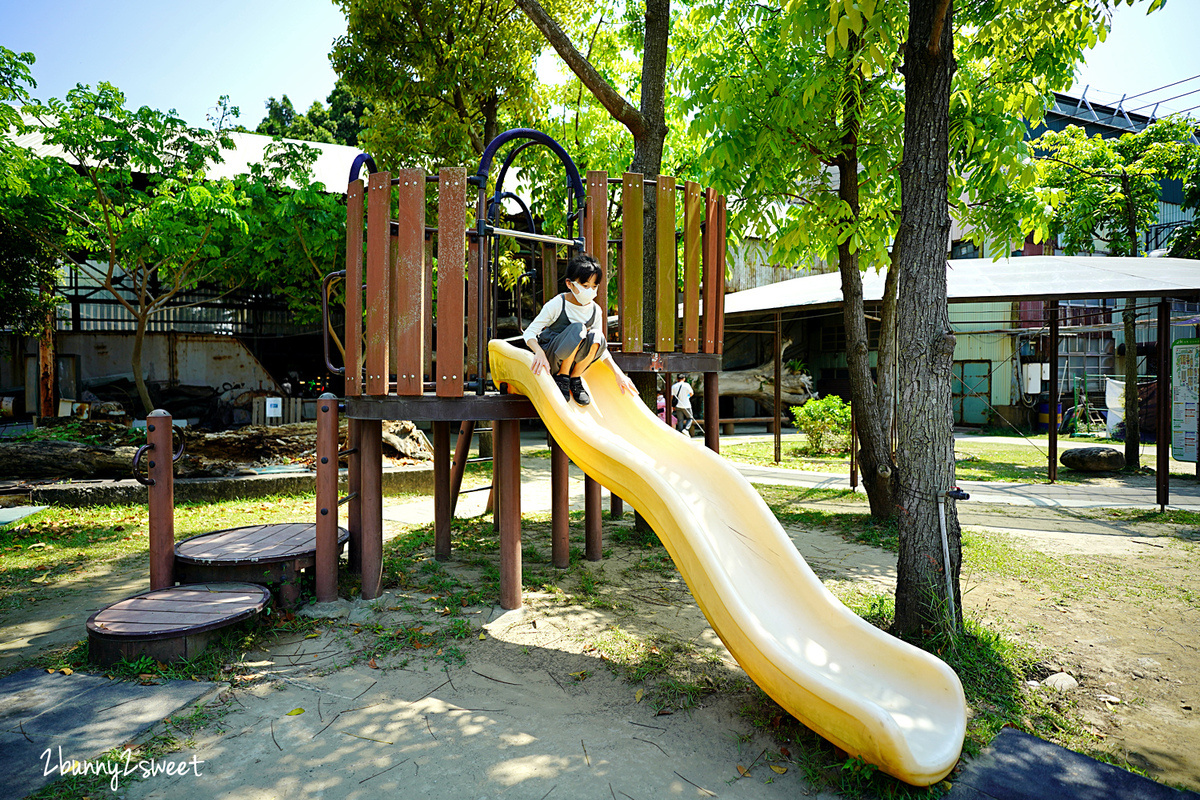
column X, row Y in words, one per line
column 410, row 362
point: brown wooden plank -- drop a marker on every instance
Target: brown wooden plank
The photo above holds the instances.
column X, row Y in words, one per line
column 666, row 310
column 473, row 281
column 595, row 227
column 708, row 280
column 633, row 286
column 722, row 252
column 427, row 314
column 452, row 240
column 378, row 282
column 165, row 619
column 354, row 279
column 693, row 213
column 549, row 272
column 251, row 536
column 408, row 328
column 150, row 604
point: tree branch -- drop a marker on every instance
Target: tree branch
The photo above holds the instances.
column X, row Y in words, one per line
column 613, row 102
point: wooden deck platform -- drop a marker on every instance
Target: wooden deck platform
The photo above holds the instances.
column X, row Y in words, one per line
column 267, row 554
column 171, row 624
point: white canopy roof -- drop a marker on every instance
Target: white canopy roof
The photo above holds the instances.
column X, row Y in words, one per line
column 983, row 280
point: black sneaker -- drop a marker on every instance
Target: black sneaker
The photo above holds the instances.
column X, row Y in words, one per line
column 579, row 393
column 564, row 385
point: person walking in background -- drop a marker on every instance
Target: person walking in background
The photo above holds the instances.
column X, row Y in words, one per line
column 681, row 399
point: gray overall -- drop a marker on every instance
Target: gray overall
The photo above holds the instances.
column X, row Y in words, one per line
column 562, row 336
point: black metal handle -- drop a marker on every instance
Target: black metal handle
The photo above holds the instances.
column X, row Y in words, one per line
column 957, row 494
column 325, row 319
column 182, row 444
column 137, row 463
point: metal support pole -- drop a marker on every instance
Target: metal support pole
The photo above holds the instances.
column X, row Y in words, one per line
column 161, row 500
column 327, row 498
column 712, row 416
column 1162, row 473
column 560, row 507
column 1052, row 406
column 778, row 393
column 853, row 450
column 354, row 489
column 508, row 506
column 593, row 525
column 371, row 450
column 442, row 509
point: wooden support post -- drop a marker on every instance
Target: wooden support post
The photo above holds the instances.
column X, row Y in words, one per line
column 508, row 502
column 1162, row 472
column 462, row 450
column 712, row 417
column 616, row 506
column 441, row 490
column 371, row 447
column 161, row 499
column 327, row 498
column 593, row 523
column 1052, row 406
column 778, row 413
column 560, row 507
column 354, row 487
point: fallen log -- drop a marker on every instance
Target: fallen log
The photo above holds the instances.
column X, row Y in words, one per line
column 60, row 459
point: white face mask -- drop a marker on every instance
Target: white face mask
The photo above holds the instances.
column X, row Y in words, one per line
column 583, row 294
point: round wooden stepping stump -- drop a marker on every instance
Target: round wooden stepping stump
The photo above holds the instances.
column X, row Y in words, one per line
column 171, row 624
column 268, row 554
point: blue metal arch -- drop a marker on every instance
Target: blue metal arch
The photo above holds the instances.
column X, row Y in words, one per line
column 574, row 182
column 357, row 165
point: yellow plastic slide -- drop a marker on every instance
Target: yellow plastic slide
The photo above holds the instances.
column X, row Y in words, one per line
column 870, row 694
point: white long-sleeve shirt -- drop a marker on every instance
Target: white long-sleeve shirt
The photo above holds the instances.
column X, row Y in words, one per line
column 575, row 313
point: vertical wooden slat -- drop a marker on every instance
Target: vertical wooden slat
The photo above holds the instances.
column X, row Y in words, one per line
column 632, row 268
column 666, row 311
column 595, row 227
column 549, row 272
column 427, row 314
column 709, row 271
column 722, row 248
column 326, row 566
column 693, row 213
column 408, row 328
column 473, row 308
column 452, row 239
column 354, row 277
column 378, row 281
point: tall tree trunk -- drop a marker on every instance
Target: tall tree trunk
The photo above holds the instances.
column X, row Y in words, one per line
column 1133, row 413
column 874, row 437
column 925, row 452
column 139, row 378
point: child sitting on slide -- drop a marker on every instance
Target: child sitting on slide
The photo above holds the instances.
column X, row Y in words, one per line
column 567, row 335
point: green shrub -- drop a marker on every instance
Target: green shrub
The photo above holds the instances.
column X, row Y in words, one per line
column 826, row 423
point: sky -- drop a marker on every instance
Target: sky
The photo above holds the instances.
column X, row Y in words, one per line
column 184, row 55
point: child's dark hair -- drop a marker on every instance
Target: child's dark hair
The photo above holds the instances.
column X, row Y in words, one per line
column 582, row 267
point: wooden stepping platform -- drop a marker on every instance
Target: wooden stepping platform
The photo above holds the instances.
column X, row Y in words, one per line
column 171, row 624
column 267, row 554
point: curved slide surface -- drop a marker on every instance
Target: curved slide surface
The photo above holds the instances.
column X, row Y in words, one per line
column 870, row 694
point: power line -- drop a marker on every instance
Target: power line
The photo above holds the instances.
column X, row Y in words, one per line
column 1160, row 88
column 1160, row 102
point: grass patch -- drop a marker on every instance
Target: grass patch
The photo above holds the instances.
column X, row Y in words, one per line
column 59, row 544
column 794, row 455
column 790, row 507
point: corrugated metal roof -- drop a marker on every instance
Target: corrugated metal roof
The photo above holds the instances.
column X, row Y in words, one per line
column 332, row 166
column 982, row 280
